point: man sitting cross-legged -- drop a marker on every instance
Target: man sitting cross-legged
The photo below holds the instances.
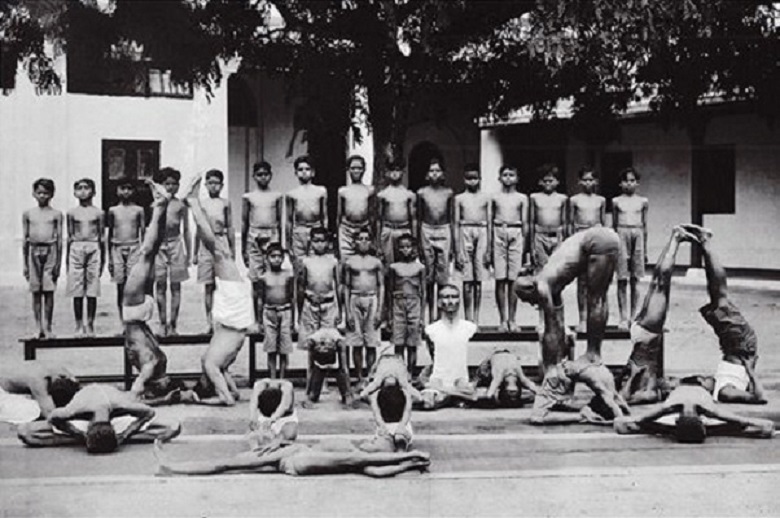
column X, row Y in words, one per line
column 101, row 417
column 32, row 388
column 499, row 379
column 699, row 416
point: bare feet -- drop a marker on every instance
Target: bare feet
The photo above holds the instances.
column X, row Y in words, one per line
column 581, row 327
column 79, row 332
column 172, row 330
column 623, row 325
column 682, row 234
column 512, row 327
column 703, row 234
column 90, row 332
column 163, row 331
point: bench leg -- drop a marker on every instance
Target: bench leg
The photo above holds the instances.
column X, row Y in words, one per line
column 29, row 351
column 252, row 359
column 128, row 370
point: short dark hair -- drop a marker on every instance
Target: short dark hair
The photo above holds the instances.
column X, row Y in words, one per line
column 261, row 165
column 46, row 183
column 449, row 286
column 356, row 157
column 407, row 237
column 215, row 173
column 303, row 159
column 548, row 170
column 89, row 182
column 395, row 164
column 505, row 167
column 364, row 230
column 62, row 389
column 391, row 401
column 101, row 437
column 623, row 175
column 471, row 166
column 320, row 231
column 585, row 170
column 690, row 429
column 268, row 400
column 274, row 247
column 126, row 182
column 204, row 388
column 165, row 173
column 436, row 160
column 600, row 407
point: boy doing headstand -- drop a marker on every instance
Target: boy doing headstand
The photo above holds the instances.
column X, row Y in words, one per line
column 218, row 212
column 42, row 250
column 406, row 285
column 86, row 255
column 510, row 228
column 586, row 209
column 261, row 223
column 125, row 222
column 472, row 228
column 364, row 288
column 356, row 207
column 276, row 298
column 174, row 255
column 629, row 217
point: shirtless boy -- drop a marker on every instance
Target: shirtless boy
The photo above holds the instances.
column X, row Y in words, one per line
column 406, row 285
column 276, row 291
column 364, row 295
column 174, row 255
column 629, row 217
column 101, row 417
column 500, row 378
column 85, row 256
column 356, row 207
column 261, row 223
column 50, row 386
column 327, row 355
column 547, row 217
column 42, row 250
column 510, row 228
column 273, row 421
column 218, row 212
column 472, row 228
column 586, row 209
column 125, row 222
column 437, row 234
column 397, row 212
column 391, row 406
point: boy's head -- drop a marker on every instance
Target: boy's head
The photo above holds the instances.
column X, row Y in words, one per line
column 43, row 191
column 169, row 178
column 304, row 168
column 363, row 241
column 526, row 289
column 406, row 248
column 471, row 177
column 588, row 179
column 356, row 166
column 449, row 299
column 509, row 390
column 101, row 437
column 392, row 401
column 395, row 170
column 629, row 180
column 690, row 429
column 549, row 177
column 320, row 239
column 125, row 190
column 268, row 400
column 435, row 175
column 274, row 254
column 62, row 389
column 262, row 173
column 508, row 176
column 84, row 189
column 214, row 181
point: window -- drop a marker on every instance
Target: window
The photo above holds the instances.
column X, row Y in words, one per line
column 612, row 162
column 714, row 179
column 133, row 160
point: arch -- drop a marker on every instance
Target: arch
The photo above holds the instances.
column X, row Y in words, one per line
column 419, row 158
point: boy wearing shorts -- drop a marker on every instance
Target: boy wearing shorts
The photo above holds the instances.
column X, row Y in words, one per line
column 276, row 298
column 356, row 207
column 406, row 285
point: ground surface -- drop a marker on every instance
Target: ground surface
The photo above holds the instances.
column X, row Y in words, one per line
column 484, row 462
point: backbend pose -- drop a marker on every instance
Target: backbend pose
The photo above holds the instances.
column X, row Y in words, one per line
column 233, row 311
column 91, row 418
column 50, row 387
column 500, row 379
column 694, row 404
column 327, row 354
column 273, row 420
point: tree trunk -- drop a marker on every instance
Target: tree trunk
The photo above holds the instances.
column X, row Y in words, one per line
column 388, row 118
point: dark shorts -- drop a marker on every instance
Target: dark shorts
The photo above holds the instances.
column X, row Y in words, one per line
column 735, row 334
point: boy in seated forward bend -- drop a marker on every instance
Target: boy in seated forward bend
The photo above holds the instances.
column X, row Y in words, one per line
column 500, row 379
column 273, row 421
column 102, row 418
column 699, row 416
column 232, row 312
column 42, row 251
column 406, row 285
column 449, row 339
column 31, row 389
column 327, row 353
column 276, row 302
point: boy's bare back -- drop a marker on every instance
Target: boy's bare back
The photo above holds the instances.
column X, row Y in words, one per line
column 397, row 204
column 510, row 207
column 263, row 208
column 549, row 209
column 473, row 207
column 85, row 223
column 308, row 203
column 629, row 210
column 434, row 203
column 42, row 224
column 355, row 203
column 320, row 274
column 587, row 210
column 126, row 222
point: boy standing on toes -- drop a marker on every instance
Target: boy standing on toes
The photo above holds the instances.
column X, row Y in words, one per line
column 261, row 224
column 472, row 227
column 42, row 249
column 85, row 254
column 406, row 285
column 356, row 207
column 629, row 216
column 219, row 215
column 586, row 209
column 275, row 304
column 510, row 227
column 174, row 255
column 125, row 222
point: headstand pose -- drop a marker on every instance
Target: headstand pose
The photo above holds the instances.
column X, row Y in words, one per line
column 272, row 418
column 102, row 418
column 31, row 389
column 499, row 379
column 694, row 405
column 232, row 313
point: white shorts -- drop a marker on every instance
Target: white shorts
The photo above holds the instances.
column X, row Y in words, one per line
column 730, row 374
column 18, row 408
column 233, row 306
column 276, row 426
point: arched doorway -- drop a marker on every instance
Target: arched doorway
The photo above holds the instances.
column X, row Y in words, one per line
column 419, row 160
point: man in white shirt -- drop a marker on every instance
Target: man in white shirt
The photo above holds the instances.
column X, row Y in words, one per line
column 448, row 340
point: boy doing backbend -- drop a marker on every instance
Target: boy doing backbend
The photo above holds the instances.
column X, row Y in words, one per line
column 586, row 209
column 85, row 255
column 629, row 217
column 125, row 222
column 327, row 355
column 406, row 285
column 261, row 223
column 218, row 212
column 276, row 300
column 356, row 207
column 42, row 250
column 508, row 245
column 472, row 228
column 174, row 255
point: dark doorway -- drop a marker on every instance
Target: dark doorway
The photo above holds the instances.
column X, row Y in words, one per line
column 134, row 160
column 419, row 160
column 612, row 163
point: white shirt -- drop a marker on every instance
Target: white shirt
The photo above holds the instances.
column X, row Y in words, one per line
column 451, row 349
